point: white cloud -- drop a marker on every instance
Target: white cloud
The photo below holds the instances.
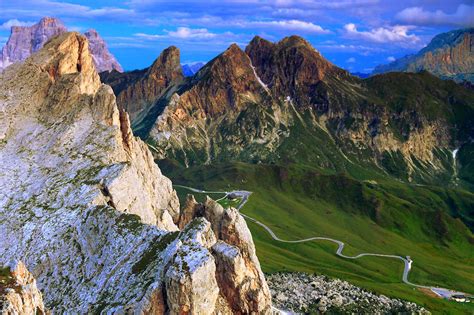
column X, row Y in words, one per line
column 149, row 36
column 391, row 59
column 186, row 33
column 14, row 22
column 351, row 60
column 291, row 25
column 395, row 34
column 464, row 16
column 360, row 49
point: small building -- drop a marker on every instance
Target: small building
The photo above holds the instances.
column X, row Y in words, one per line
column 460, row 298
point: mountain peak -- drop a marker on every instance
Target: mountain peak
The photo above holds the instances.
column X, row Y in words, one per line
column 231, row 64
column 168, row 62
column 50, row 21
column 69, row 53
column 256, row 40
column 290, row 67
column 25, row 40
column 91, row 33
column 137, row 91
column 233, row 49
column 103, row 59
column 294, row 40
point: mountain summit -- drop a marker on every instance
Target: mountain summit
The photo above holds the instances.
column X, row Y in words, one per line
column 25, row 40
column 291, row 67
column 103, row 59
column 138, row 90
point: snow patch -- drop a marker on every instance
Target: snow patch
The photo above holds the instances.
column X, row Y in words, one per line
column 162, row 135
column 455, row 153
column 258, row 78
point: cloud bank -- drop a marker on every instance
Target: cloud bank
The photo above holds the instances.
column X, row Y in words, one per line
column 463, row 16
column 396, row 34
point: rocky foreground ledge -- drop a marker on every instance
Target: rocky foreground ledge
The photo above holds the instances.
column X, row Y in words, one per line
column 306, row 293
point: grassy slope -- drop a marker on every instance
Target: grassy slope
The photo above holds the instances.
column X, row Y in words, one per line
column 384, row 217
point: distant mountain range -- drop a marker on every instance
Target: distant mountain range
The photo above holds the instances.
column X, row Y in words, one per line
column 449, row 56
column 25, row 40
column 190, row 69
column 255, row 105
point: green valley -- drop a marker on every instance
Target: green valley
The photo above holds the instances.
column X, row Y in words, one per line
column 380, row 216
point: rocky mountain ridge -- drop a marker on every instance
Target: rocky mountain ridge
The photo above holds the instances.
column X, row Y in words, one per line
column 25, row 40
column 284, row 101
column 83, row 204
column 449, row 55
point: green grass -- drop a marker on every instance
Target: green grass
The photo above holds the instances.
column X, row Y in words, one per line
column 384, row 216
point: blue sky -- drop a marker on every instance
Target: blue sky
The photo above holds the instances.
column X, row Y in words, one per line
column 354, row 34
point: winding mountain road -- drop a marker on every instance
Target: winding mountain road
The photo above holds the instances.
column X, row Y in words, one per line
column 407, row 261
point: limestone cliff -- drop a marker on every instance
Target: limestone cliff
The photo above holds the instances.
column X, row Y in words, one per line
column 85, row 207
column 18, row 291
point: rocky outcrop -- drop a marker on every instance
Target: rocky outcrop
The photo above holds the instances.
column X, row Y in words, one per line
column 103, row 59
column 85, row 207
column 137, row 91
column 25, row 40
column 238, row 275
column 448, row 55
column 18, row 291
column 300, row 292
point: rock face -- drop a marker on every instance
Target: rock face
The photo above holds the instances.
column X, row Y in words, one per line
column 83, row 204
column 238, row 275
column 25, row 40
column 299, row 292
column 449, row 55
column 291, row 68
column 18, row 291
column 103, row 59
column 204, row 111
column 284, row 102
column 137, row 91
